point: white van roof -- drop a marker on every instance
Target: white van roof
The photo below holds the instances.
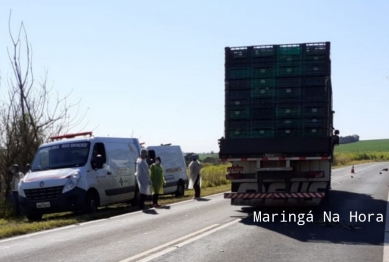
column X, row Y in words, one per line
column 90, row 139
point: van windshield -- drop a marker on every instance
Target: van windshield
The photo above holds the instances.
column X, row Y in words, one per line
column 61, row 156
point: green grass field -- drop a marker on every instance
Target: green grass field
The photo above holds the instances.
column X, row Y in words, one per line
column 362, row 151
column 365, row 146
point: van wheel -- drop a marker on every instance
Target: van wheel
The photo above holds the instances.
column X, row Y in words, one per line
column 32, row 217
column 91, row 203
column 135, row 201
column 180, row 189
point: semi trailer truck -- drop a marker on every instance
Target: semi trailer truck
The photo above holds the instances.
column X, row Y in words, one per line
column 278, row 131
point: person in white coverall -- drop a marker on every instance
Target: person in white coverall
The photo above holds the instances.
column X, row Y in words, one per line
column 16, row 177
column 195, row 177
column 143, row 178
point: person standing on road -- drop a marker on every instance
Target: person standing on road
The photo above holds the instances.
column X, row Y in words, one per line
column 158, row 180
column 16, row 177
column 195, row 177
column 143, row 178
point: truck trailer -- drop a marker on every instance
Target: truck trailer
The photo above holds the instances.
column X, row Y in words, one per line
column 278, row 130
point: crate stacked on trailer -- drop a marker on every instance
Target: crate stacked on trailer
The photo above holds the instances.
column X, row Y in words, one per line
column 278, row 91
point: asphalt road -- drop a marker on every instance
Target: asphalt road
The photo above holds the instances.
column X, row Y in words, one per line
column 213, row 230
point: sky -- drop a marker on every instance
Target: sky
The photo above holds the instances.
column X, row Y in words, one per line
column 155, row 69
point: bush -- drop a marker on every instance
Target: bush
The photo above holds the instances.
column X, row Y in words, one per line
column 348, row 158
column 6, row 209
column 214, row 175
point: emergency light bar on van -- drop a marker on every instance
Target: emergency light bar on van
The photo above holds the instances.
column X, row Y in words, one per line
column 71, row 135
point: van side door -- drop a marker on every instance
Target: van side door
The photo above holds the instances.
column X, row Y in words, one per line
column 122, row 163
column 102, row 174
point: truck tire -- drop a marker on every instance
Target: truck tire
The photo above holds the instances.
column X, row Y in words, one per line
column 180, row 189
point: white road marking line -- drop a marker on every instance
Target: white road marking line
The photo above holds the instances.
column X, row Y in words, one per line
column 92, row 221
column 168, row 244
column 386, row 238
column 37, row 233
column 188, row 241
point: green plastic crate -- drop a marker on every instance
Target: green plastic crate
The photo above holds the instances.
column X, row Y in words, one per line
column 239, row 84
column 259, row 92
column 317, row 48
column 238, row 124
column 263, row 72
column 316, row 110
column 288, row 111
column 293, row 49
column 289, row 132
column 238, row 133
column 261, row 112
column 238, row 112
column 238, row 73
column 238, row 102
column 312, row 81
column 262, row 132
column 316, row 58
column 286, row 60
column 262, row 123
column 289, row 123
column 289, row 82
column 237, row 94
column 264, row 82
column 321, row 122
column 288, row 92
column 292, row 70
column 315, row 131
column 316, row 69
column 263, row 51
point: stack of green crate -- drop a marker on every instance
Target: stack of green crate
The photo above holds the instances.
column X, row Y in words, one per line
column 278, row 91
column 237, row 92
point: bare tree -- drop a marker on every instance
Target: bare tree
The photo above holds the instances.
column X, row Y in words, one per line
column 31, row 112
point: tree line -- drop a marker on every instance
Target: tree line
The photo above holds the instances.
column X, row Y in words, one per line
column 348, row 139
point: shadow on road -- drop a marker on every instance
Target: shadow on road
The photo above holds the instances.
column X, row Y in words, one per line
column 150, row 211
column 202, row 199
column 163, row 207
column 343, row 219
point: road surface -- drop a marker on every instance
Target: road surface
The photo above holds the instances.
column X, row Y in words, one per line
column 212, row 230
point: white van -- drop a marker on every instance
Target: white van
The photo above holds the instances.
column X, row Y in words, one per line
column 74, row 173
column 173, row 162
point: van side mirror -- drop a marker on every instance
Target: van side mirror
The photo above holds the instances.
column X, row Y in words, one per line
column 97, row 162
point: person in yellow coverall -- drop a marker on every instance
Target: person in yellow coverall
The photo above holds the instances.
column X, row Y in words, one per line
column 157, row 179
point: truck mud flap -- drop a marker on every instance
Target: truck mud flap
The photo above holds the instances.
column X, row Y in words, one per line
column 273, row 195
